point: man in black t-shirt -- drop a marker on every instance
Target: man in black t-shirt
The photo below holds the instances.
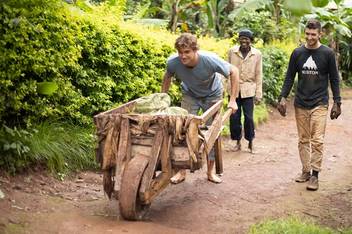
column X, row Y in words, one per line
column 316, row 67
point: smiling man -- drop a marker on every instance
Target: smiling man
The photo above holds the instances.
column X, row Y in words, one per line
column 316, row 67
column 249, row 62
column 200, row 75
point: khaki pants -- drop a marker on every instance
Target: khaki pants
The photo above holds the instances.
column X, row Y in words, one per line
column 311, row 131
column 193, row 105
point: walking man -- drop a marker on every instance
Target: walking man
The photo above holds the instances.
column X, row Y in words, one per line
column 249, row 62
column 316, row 67
column 199, row 72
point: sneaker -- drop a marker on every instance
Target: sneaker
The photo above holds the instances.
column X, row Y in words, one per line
column 301, row 178
column 313, row 183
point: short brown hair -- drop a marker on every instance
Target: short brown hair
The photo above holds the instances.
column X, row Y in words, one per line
column 313, row 24
column 187, row 40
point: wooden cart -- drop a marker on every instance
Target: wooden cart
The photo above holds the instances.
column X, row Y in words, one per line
column 139, row 153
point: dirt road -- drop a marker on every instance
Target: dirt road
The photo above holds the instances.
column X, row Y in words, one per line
column 255, row 187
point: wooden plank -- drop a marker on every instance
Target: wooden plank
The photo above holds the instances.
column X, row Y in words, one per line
column 218, row 156
column 212, row 134
column 211, row 111
column 161, row 181
column 226, row 116
column 149, row 171
column 125, row 108
column 165, row 155
column 146, row 141
column 193, row 140
column 111, row 142
column 123, row 153
column 141, row 150
column 180, row 153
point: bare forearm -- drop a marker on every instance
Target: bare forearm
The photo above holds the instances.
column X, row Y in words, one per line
column 166, row 83
column 259, row 78
column 235, row 81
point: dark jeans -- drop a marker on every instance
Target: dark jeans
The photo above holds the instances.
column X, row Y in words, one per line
column 247, row 105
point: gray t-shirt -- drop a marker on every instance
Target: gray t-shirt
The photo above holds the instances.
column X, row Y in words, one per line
column 204, row 79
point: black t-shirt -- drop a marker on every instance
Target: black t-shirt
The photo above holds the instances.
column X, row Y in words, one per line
column 315, row 68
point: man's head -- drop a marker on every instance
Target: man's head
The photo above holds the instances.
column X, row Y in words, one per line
column 312, row 33
column 187, row 47
column 186, row 40
column 245, row 37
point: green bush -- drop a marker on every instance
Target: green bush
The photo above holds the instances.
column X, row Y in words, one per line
column 94, row 63
column 14, row 147
column 38, row 44
column 274, row 69
column 262, row 24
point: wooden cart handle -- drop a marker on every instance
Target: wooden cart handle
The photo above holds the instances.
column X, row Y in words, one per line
column 226, row 115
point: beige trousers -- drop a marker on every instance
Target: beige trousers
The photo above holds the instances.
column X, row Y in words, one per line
column 311, row 131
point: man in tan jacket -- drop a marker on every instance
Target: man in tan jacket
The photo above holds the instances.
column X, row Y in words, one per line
column 249, row 62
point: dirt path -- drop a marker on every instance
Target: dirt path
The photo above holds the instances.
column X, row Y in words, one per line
column 255, row 187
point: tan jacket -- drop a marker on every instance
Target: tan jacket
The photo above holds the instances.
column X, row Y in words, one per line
column 250, row 70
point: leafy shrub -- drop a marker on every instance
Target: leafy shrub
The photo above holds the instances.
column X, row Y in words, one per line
column 94, row 63
column 263, row 26
column 14, row 147
column 37, row 45
column 274, row 69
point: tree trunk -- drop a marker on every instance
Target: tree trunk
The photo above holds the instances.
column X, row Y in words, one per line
column 277, row 11
column 174, row 16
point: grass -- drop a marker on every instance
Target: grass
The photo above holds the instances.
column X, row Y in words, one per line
column 260, row 115
column 292, row 225
column 62, row 147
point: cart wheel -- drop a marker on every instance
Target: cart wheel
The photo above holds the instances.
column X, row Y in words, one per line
column 131, row 207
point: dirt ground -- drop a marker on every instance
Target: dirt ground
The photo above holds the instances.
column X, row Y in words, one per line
column 255, row 187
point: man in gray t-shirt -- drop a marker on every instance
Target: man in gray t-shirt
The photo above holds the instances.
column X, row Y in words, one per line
column 199, row 72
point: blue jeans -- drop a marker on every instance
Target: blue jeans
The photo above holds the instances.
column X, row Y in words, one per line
column 193, row 105
column 247, row 105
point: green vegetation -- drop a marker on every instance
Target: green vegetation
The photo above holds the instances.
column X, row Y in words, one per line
column 292, row 225
column 274, row 67
column 62, row 63
column 94, row 63
column 65, row 62
column 61, row 147
column 260, row 115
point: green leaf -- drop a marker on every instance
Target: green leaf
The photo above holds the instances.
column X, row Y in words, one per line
column 46, row 88
column 344, row 31
column 250, row 5
column 13, row 146
column 320, row 3
column 298, row 7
